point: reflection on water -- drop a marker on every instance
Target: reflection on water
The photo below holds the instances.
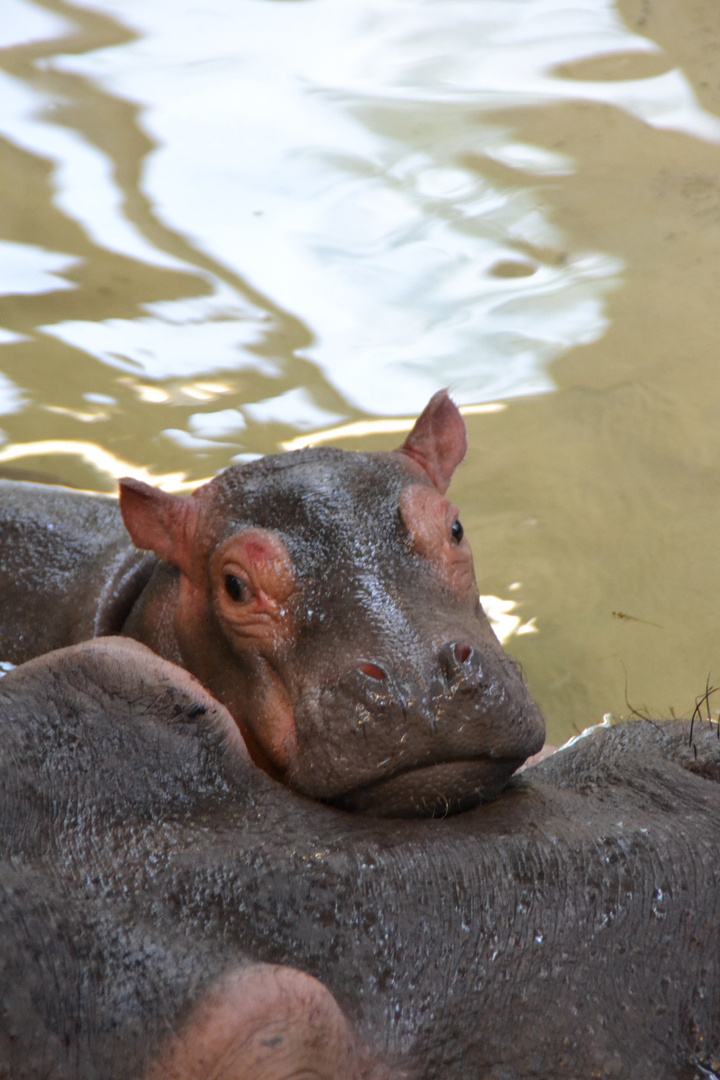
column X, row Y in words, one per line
column 236, row 227
column 343, row 160
column 331, row 156
column 364, row 428
column 106, row 465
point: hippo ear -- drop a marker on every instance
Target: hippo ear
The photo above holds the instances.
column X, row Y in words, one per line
column 438, row 442
column 160, row 522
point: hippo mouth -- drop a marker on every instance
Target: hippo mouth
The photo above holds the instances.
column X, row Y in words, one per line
column 437, row 790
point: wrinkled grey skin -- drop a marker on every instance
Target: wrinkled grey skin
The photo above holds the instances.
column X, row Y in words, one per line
column 442, row 724
column 68, row 569
column 571, row 928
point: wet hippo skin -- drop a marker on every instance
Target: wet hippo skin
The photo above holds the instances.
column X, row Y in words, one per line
column 326, row 597
column 150, row 870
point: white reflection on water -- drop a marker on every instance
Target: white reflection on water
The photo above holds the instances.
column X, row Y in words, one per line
column 85, row 186
column 287, row 407
column 331, row 154
column 28, row 269
column 22, row 22
column 11, row 398
column 102, row 461
column 361, row 428
column 180, row 338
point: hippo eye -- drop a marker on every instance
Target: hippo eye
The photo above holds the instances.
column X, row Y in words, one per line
column 235, row 587
column 457, row 531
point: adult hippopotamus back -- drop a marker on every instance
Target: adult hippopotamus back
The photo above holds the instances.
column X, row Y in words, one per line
column 327, row 598
column 152, row 879
column 68, row 569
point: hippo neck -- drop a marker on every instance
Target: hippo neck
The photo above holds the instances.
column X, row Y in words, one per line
column 131, row 572
column 151, row 616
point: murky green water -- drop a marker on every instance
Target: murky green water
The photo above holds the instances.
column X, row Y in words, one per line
column 228, row 225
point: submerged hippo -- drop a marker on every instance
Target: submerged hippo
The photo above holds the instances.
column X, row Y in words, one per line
column 326, row 597
column 167, row 907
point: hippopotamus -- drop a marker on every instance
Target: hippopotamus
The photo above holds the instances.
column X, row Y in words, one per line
column 327, row 598
column 171, row 910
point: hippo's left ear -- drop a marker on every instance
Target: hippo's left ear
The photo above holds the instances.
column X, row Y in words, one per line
column 160, row 522
column 438, row 442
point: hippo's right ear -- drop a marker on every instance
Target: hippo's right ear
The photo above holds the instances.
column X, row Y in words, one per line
column 160, row 522
column 438, row 441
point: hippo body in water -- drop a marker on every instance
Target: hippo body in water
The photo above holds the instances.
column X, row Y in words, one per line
column 326, row 597
column 156, row 888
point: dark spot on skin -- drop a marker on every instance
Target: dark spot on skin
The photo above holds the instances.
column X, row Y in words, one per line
column 276, row 1040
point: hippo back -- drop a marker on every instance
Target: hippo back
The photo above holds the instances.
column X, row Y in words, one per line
column 572, row 927
column 68, row 570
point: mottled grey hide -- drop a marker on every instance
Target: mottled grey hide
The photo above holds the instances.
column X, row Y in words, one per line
column 569, row 928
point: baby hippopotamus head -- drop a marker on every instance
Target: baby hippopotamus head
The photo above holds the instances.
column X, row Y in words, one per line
column 328, row 599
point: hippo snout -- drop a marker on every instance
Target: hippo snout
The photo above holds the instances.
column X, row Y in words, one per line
column 405, row 739
column 458, row 669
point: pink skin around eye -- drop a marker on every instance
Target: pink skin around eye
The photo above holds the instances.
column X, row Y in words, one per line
column 261, row 563
column 429, row 518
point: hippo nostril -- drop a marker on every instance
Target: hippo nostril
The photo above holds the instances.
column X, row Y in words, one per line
column 463, row 653
column 374, row 671
column 458, row 661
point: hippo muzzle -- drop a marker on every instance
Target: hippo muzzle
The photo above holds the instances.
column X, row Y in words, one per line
column 404, row 746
